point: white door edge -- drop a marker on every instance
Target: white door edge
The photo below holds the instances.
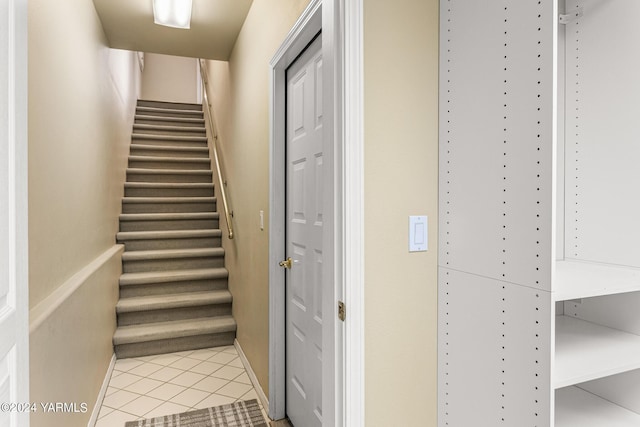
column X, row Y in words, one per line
column 14, row 313
column 341, row 26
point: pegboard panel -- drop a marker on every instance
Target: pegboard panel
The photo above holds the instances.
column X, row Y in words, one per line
column 497, row 115
column 494, row 353
column 603, row 130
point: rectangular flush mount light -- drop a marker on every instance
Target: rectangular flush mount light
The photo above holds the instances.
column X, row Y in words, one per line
column 172, row 13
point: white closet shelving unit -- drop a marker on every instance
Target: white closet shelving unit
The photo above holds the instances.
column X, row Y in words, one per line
column 539, row 279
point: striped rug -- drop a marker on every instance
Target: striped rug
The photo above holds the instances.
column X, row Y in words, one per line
column 238, row 414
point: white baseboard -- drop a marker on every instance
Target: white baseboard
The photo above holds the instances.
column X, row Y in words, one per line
column 252, row 376
column 103, row 391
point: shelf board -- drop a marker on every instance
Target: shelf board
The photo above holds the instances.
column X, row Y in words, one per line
column 578, row 408
column 581, row 279
column 587, row 351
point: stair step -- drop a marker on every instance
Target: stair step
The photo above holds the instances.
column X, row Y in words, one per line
column 169, row 105
column 169, row 221
column 168, row 330
column 165, row 337
column 168, row 204
column 153, row 140
column 168, row 128
column 184, row 121
column 180, row 163
column 163, row 302
column 172, row 259
column 169, row 239
column 168, row 112
column 169, row 175
column 166, row 234
column 177, row 138
column 169, row 151
column 153, row 277
column 158, row 129
column 172, row 282
column 168, row 307
column 168, row 189
column 163, row 254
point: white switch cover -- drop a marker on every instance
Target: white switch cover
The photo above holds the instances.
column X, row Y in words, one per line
column 418, row 233
column 261, row 220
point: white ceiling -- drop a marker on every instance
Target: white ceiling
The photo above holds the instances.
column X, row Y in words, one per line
column 215, row 25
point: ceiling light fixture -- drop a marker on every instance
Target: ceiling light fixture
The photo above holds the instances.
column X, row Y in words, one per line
column 172, row 13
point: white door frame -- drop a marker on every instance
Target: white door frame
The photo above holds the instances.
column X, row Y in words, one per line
column 343, row 374
column 14, row 312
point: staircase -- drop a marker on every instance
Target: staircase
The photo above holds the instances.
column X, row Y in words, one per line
column 173, row 290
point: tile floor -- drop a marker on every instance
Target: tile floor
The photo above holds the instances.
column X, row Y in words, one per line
column 151, row 386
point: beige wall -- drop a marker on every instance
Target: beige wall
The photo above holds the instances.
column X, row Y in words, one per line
column 81, row 100
column 170, row 78
column 401, row 179
column 70, row 341
column 240, row 93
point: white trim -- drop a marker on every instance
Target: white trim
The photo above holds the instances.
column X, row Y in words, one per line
column 251, row 374
column 16, row 204
column 102, row 393
column 353, row 220
column 51, row 303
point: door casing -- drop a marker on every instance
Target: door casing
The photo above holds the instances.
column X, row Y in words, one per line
column 340, row 22
column 14, row 274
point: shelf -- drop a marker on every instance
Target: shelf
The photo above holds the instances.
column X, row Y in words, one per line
column 580, row 279
column 578, row 408
column 586, row 351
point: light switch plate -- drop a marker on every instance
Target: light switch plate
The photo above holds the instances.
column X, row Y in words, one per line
column 418, row 232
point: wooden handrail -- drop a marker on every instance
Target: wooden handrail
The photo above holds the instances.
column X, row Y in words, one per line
column 228, row 213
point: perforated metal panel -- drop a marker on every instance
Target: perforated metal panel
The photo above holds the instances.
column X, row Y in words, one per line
column 603, row 130
column 496, row 242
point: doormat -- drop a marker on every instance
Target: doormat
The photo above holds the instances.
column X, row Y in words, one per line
column 238, row 414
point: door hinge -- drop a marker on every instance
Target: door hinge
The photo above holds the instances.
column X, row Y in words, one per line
column 342, row 311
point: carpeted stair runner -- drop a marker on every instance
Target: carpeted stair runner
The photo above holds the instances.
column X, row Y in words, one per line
column 173, row 290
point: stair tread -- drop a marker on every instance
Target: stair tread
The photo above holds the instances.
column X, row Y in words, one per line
column 172, row 276
column 167, row 110
column 173, row 329
column 169, row 148
column 169, row 159
column 169, row 127
column 168, row 137
column 168, row 199
column 168, row 184
column 170, row 171
column 141, row 101
column 167, row 234
column 168, row 301
column 169, row 118
column 168, row 216
column 172, row 253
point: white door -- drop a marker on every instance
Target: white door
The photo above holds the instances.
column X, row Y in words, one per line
column 304, row 239
column 14, row 338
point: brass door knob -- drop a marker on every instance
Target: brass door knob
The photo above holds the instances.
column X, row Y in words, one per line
column 287, row 263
